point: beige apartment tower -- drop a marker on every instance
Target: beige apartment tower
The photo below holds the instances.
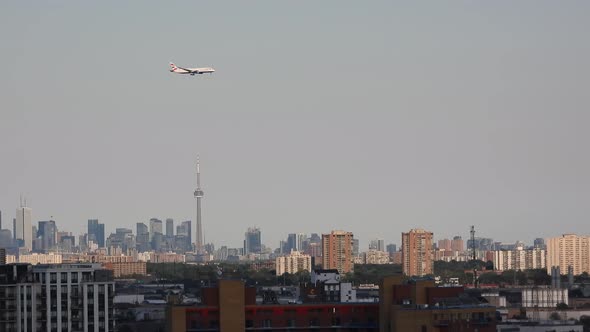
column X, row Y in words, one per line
column 569, row 250
column 337, row 251
column 417, row 253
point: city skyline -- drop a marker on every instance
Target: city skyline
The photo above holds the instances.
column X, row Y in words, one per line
column 372, row 118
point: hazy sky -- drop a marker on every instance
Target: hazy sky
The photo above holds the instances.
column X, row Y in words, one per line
column 370, row 117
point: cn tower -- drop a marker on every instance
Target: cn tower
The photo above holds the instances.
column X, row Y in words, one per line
column 199, row 195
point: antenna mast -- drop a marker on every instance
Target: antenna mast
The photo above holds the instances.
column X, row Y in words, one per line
column 473, row 256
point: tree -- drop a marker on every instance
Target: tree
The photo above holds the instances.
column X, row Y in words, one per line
column 555, row 316
column 562, row 306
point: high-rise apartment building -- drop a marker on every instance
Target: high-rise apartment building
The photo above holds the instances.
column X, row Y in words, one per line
column 337, row 251
column 569, row 250
column 96, row 232
column 417, row 253
column 170, row 227
column 252, row 241
column 457, row 244
column 519, row 259
column 293, row 263
column 444, row 244
column 64, row 297
column 23, row 228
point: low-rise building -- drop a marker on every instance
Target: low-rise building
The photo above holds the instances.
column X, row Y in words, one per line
column 126, row 268
column 35, row 259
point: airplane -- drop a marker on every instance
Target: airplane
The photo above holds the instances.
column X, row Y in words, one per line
column 191, row 71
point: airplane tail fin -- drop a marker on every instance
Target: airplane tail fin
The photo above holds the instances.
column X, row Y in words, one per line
column 173, row 67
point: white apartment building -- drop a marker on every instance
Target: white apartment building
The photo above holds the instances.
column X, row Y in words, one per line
column 376, row 257
column 293, row 263
column 520, row 259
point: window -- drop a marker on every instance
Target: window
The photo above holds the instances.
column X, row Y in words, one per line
column 267, row 323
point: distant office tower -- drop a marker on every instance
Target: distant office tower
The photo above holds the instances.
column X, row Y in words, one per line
column 355, row 247
column 457, row 244
column 170, row 227
column 337, row 251
column 252, row 241
column 186, row 226
column 391, row 248
column 23, row 232
column 539, row 243
column 301, row 241
column 2, row 256
column 569, row 250
column 199, row 195
column 377, row 244
column 47, row 233
column 96, row 232
column 155, row 227
column 444, row 244
column 417, row 253
column 291, row 242
column 6, row 239
column 142, row 239
column 293, row 263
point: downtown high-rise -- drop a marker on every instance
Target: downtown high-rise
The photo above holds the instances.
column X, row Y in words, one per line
column 23, row 228
column 96, row 232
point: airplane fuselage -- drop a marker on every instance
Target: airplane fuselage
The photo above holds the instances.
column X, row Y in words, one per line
column 191, row 71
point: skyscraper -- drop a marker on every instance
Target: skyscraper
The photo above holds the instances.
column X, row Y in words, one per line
column 457, row 244
column 47, row 232
column 170, row 227
column 143, row 237
column 377, row 244
column 23, row 230
column 301, row 241
column 96, row 232
column 155, row 227
column 252, row 241
column 417, row 253
column 188, row 228
column 291, row 242
column 199, row 194
column 337, row 250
